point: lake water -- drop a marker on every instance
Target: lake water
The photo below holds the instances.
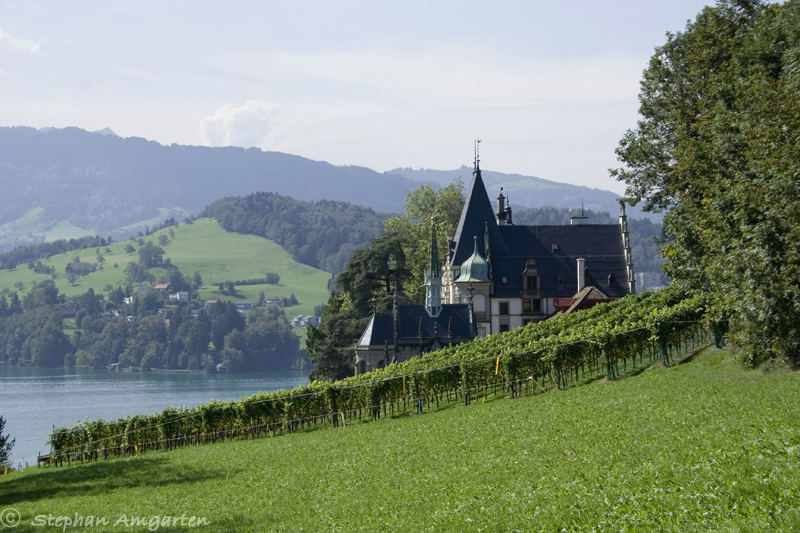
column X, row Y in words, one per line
column 34, row 400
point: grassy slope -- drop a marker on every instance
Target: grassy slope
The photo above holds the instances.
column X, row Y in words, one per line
column 200, row 247
column 703, row 445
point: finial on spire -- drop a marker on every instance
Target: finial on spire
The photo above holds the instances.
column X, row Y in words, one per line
column 477, row 161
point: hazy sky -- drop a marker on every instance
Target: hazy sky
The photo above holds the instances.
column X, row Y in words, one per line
column 548, row 86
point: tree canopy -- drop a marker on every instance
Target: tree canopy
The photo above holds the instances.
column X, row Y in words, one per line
column 395, row 261
column 718, row 146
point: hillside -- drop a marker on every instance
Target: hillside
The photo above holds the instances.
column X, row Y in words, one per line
column 323, row 234
column 202, row 247
column 668, row 449
column 61, row 183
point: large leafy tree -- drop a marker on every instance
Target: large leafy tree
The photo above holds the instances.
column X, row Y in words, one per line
column 366, row 286
column 392, row 266
column 425, row 206
column 718, row 146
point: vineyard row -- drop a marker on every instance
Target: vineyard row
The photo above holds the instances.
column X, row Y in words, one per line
column 554, row 353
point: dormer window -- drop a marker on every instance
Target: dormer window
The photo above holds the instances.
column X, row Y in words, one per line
column 530, row 277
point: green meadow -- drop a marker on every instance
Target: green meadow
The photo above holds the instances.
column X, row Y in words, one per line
column 702, row 445
column 203, row 247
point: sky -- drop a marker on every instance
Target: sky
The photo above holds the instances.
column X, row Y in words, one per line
column 548, row 87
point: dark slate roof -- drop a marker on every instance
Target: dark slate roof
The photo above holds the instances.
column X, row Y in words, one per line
column 599, row 244
column 476, row 213
column 380, row 329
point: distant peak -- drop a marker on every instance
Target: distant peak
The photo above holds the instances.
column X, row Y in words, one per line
column 107, row 132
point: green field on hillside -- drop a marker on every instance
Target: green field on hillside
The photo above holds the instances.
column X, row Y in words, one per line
column 202, row 247
column 702, row 445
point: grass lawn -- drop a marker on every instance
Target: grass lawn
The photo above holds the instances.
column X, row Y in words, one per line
column 202, row 247
column 703, row 445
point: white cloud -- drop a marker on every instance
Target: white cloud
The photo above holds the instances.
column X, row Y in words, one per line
column 16, row 44
column 246, row 125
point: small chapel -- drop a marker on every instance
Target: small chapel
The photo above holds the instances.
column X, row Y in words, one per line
column 499, row 276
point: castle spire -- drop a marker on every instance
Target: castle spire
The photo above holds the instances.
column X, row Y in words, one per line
column 433, row 278
column 434, row 267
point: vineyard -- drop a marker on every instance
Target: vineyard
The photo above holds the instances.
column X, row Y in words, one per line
column 608, row 339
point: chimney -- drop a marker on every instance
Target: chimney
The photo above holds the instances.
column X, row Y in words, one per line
column 581, row 273
column 575, row 220
column 501, row 209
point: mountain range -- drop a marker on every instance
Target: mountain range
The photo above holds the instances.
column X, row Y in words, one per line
column 529, row 191
column 64, row 183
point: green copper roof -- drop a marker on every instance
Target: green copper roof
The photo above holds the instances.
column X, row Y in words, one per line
column 475, row 269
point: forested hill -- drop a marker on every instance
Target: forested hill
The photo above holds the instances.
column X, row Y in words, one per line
column 64, row 183
column 322, row 234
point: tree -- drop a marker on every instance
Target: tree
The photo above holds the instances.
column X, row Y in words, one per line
column 425, row 206
column 163, row 239
column 90, row 302
column 176, row 280
column 150, row 255
column 270, row 342
column 331, row 345
column 373, row 274
column 135, row 273
column 717, row 146
column 366, row 286
column 48, row 345
column 43, row 293
column 6, row 443
column 226, row 318
column 129, row 249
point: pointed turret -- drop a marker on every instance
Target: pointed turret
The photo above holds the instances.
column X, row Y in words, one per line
column 433, row 278
column 476, row 215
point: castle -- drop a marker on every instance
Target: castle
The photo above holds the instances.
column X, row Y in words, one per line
column 499, row 276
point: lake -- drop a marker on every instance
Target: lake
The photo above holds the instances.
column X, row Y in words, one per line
column 34, row 400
